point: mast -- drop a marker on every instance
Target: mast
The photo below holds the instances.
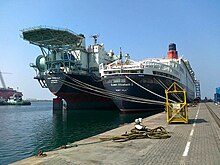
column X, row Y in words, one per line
column 95, row 38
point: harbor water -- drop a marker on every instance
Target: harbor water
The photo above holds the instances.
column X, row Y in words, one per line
column 25, row 130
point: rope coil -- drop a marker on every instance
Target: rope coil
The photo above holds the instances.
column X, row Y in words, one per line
column 156, row 133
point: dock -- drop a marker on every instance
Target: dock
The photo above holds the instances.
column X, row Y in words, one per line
column 197, row 142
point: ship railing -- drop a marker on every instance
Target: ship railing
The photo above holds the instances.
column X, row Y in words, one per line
column 159, row 66
column 120, row 66
column 63, row 66
column 48, row 27
column 140, row 65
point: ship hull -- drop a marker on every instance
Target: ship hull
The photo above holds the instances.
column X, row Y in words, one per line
column 6, row 93
column 77, row 96
column 121, row 85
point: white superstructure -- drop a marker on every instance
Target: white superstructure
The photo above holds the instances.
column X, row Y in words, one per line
column 173, row 68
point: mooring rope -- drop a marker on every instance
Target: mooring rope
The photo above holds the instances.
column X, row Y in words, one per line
column 155, row 133
column 81, row 86
column 147, row 89
column 106, row 94
column 165, row 88
column 114, row 94
column 110, row 93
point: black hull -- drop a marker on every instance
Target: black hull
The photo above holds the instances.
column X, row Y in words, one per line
column 125, row 86
column 80, row 98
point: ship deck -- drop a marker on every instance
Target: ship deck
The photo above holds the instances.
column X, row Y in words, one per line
column 195, row 143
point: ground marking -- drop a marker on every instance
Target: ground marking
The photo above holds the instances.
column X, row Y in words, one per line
column 185, row 153
column 191, row 133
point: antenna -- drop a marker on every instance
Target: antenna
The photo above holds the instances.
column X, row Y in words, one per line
column 95, row 37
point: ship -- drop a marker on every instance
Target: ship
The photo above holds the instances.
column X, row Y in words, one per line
column 92, row 78
column 10, row 96
column 145, row 81
column 7, row 93
column 68, row 68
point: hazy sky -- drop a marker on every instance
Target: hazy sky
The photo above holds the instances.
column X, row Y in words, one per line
column 143, row 28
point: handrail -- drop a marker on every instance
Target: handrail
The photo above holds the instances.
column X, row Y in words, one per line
column 141, row 65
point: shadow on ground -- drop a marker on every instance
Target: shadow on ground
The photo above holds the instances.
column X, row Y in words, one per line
column 191, row 121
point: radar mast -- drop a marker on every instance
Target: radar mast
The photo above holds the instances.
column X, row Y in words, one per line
column 95, row 38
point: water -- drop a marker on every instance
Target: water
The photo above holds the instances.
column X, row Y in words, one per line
column 24, row 130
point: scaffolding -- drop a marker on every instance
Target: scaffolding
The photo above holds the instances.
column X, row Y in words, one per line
column 176, row 112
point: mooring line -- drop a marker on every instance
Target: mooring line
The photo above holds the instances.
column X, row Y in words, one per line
column 185, row 153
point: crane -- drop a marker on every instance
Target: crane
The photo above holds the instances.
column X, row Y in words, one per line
column 2, row 79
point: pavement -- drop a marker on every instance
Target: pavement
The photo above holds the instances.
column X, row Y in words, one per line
column 190, row 144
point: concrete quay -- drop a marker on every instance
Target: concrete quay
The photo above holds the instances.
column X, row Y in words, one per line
column 190, row 144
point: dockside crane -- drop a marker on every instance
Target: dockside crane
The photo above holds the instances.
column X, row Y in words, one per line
column 2, row 80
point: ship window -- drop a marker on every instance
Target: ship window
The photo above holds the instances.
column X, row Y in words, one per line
column 106, row 72
column 140, row 71
column 166, row 75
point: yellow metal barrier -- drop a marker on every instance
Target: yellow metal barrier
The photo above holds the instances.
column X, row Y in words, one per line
column 176, row 111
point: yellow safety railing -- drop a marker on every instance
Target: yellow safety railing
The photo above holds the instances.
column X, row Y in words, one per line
column 176, row 111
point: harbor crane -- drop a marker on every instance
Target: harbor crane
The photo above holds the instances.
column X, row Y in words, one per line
column 2, row 79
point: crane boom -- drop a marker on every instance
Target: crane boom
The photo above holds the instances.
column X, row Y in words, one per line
column 2, row 80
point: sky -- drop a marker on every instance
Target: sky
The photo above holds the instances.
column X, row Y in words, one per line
column 142, row 28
